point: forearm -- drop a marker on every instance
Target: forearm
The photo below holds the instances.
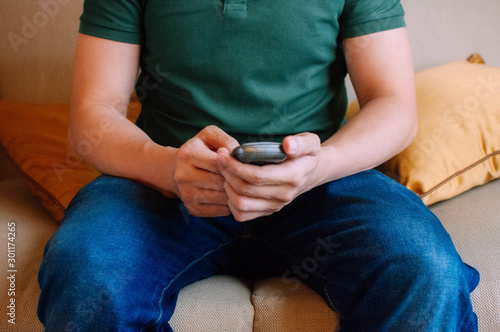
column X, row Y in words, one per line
column 104, row 78
column 116, row 146
column 382, row 129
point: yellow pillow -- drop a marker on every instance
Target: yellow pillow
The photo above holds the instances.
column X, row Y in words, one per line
column 458, row 142
column 35, row 139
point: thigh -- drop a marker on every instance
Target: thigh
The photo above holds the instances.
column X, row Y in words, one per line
column 362, row 242
column 366, row 211
column 124, row 251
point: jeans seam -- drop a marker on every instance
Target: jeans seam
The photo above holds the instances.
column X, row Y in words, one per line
column 332, row 305
column 327, row 294
column 181, row 272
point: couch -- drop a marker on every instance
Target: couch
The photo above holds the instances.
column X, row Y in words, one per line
column 454, row 166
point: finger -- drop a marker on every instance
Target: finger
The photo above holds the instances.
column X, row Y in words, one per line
column 301, row 145
column 197, row 178
column 246, row 204
column 201, row 157
column 215, row 138
column 209, row 210
column 248, row 209
column 278, row 193
column 205, row 145
column 207, row 203
column 209, row 181
column 199, row 201
column 269, row 175
column 241, row 217
column 208, row 197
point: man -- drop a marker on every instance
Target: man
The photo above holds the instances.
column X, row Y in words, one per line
column 175, row 207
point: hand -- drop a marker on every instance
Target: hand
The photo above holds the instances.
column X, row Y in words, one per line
column 255, row 191
column 199, row 183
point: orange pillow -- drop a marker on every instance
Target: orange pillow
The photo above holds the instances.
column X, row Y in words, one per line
column 458, row 141
column 35, row 139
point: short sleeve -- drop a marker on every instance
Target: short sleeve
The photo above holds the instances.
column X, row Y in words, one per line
column 118, row 20
column 362, row 17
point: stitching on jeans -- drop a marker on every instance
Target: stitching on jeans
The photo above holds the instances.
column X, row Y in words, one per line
column 184, row 270
column 333, row 306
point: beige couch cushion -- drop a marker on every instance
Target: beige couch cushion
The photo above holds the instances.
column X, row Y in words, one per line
column 278, row 307
column 219, row 303
column 473, row 221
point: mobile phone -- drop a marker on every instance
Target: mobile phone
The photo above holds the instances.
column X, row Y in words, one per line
column 260, row 153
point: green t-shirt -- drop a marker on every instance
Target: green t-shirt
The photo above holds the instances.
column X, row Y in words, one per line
column 258, row 69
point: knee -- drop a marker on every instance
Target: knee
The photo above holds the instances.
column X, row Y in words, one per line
column 434, row 269
column 77, row 252
column 69, row 262
column 81, row 278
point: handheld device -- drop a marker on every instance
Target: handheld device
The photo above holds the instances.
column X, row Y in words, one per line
column 260, row 153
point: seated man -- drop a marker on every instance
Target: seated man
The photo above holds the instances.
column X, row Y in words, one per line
column 174, row 207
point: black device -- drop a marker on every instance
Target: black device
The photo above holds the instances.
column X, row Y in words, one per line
column 260, row 153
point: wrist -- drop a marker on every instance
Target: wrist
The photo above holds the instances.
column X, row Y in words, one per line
column 329, row 165
column 158, row 168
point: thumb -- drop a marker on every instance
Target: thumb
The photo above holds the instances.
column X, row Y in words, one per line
column 301, row 145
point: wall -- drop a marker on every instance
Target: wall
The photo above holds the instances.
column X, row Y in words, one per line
column 442, row 31
column 447, row 30
column 37, row 42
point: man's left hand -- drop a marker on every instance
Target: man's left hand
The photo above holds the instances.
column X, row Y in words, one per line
column 256, row 191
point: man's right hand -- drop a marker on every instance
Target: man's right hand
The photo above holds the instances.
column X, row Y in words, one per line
column 199, row 183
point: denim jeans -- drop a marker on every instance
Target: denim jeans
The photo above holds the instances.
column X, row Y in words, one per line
column 366, row 244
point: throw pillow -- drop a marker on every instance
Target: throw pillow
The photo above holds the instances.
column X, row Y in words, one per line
column 35, row 139
column 458, row 142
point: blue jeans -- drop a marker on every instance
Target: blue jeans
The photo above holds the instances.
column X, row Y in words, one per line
column 366, row 244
